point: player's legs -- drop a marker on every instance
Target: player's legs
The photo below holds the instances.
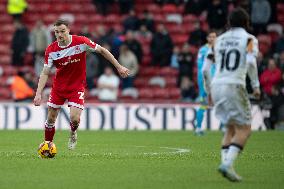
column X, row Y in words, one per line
column 200, row 111
column 76, row 103
column 75, row 114
column 49, row 127
column 199, row 119
column 228, row 135
column 238, row 141
column 232, row 108
column 241, row 134
column 54, row 103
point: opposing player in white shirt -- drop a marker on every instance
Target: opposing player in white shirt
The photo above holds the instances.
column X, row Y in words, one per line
column 235, row 54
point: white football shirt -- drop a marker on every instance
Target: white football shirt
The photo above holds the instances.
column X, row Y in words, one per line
column 230, row 51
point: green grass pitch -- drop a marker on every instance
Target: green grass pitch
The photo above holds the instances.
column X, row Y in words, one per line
column 137, row 159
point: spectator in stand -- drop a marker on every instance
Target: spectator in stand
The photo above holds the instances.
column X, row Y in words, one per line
column 217, row 14
column 131, row 22
column 85, row 31
column 108, row 85
column 261, row 64
column 143, row 34
column 31, row 81
column 197, row 37
column 126, row 6
column 16, row 8
column 133, row 45
column 101, row 35
column 102, row 6
column 20, row 43
column 277, row 100
column 174, row 58
column 103, row 63
column 162, row 2
column 279, row 47
column 260, row 15
column 21, row 91
column 40, row 38
column 281, row 61
column 196, row 7
column 186, row 63
column 148, row 21
column 188, row 91
column 281, row 86
column 128, row 59
column 92, row 69
column 161, row 47
column 270, row 77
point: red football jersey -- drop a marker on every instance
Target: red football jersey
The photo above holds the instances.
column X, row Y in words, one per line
column 70, row 63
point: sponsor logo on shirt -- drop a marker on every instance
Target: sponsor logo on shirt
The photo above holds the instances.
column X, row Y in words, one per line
column 69, row 61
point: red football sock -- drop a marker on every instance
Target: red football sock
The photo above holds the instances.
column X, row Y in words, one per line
column 49, row 131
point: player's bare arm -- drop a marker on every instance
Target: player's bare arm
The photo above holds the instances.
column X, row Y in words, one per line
column 123, row 72
column 41, row 84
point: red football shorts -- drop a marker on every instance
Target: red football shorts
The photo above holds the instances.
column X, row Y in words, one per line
column 57, row 99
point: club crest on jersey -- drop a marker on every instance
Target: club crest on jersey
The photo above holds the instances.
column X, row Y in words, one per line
column 77, row 50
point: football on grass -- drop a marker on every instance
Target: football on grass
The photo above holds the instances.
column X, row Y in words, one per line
column 47, row 150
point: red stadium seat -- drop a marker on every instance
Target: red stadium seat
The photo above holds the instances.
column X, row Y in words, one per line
column 154, row 8
column 96, row 19
column 171, row 81
column 159, row 18
column 188, row 27
column 280, row 7
column 146, row 50
column 179, row 39
column 5, row 93
column 7, row 28
column 146, row 60
column 4, row 49
column 168, row 72
column 161, row 93
column 9, row 70
column 274, row 36
column 5, row 59
column 174, row 93
column 2, row 7
column 145, row 94
column 169, row 9
column 141, row 82
column 5, row 18
column 3, row 82
column 264, row 43
column 190, row 18
column 49, row 18
column 149, row 71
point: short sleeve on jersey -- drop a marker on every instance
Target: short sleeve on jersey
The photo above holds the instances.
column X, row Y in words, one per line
column 48, row 60
column 90, row 45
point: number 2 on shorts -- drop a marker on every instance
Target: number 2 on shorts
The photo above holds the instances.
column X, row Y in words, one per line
column 81, row 95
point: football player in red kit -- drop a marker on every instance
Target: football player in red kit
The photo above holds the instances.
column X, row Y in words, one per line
column 68, row 55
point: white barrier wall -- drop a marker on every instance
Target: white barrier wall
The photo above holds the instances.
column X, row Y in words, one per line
column 117, row 116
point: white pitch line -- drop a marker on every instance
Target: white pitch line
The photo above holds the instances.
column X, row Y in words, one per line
column 176, row 150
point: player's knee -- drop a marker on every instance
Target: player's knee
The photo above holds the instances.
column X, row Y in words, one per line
column 75, row 120
column 51, row 120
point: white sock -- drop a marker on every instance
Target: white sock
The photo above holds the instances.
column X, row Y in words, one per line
column 232, row 155
column 224, row 154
